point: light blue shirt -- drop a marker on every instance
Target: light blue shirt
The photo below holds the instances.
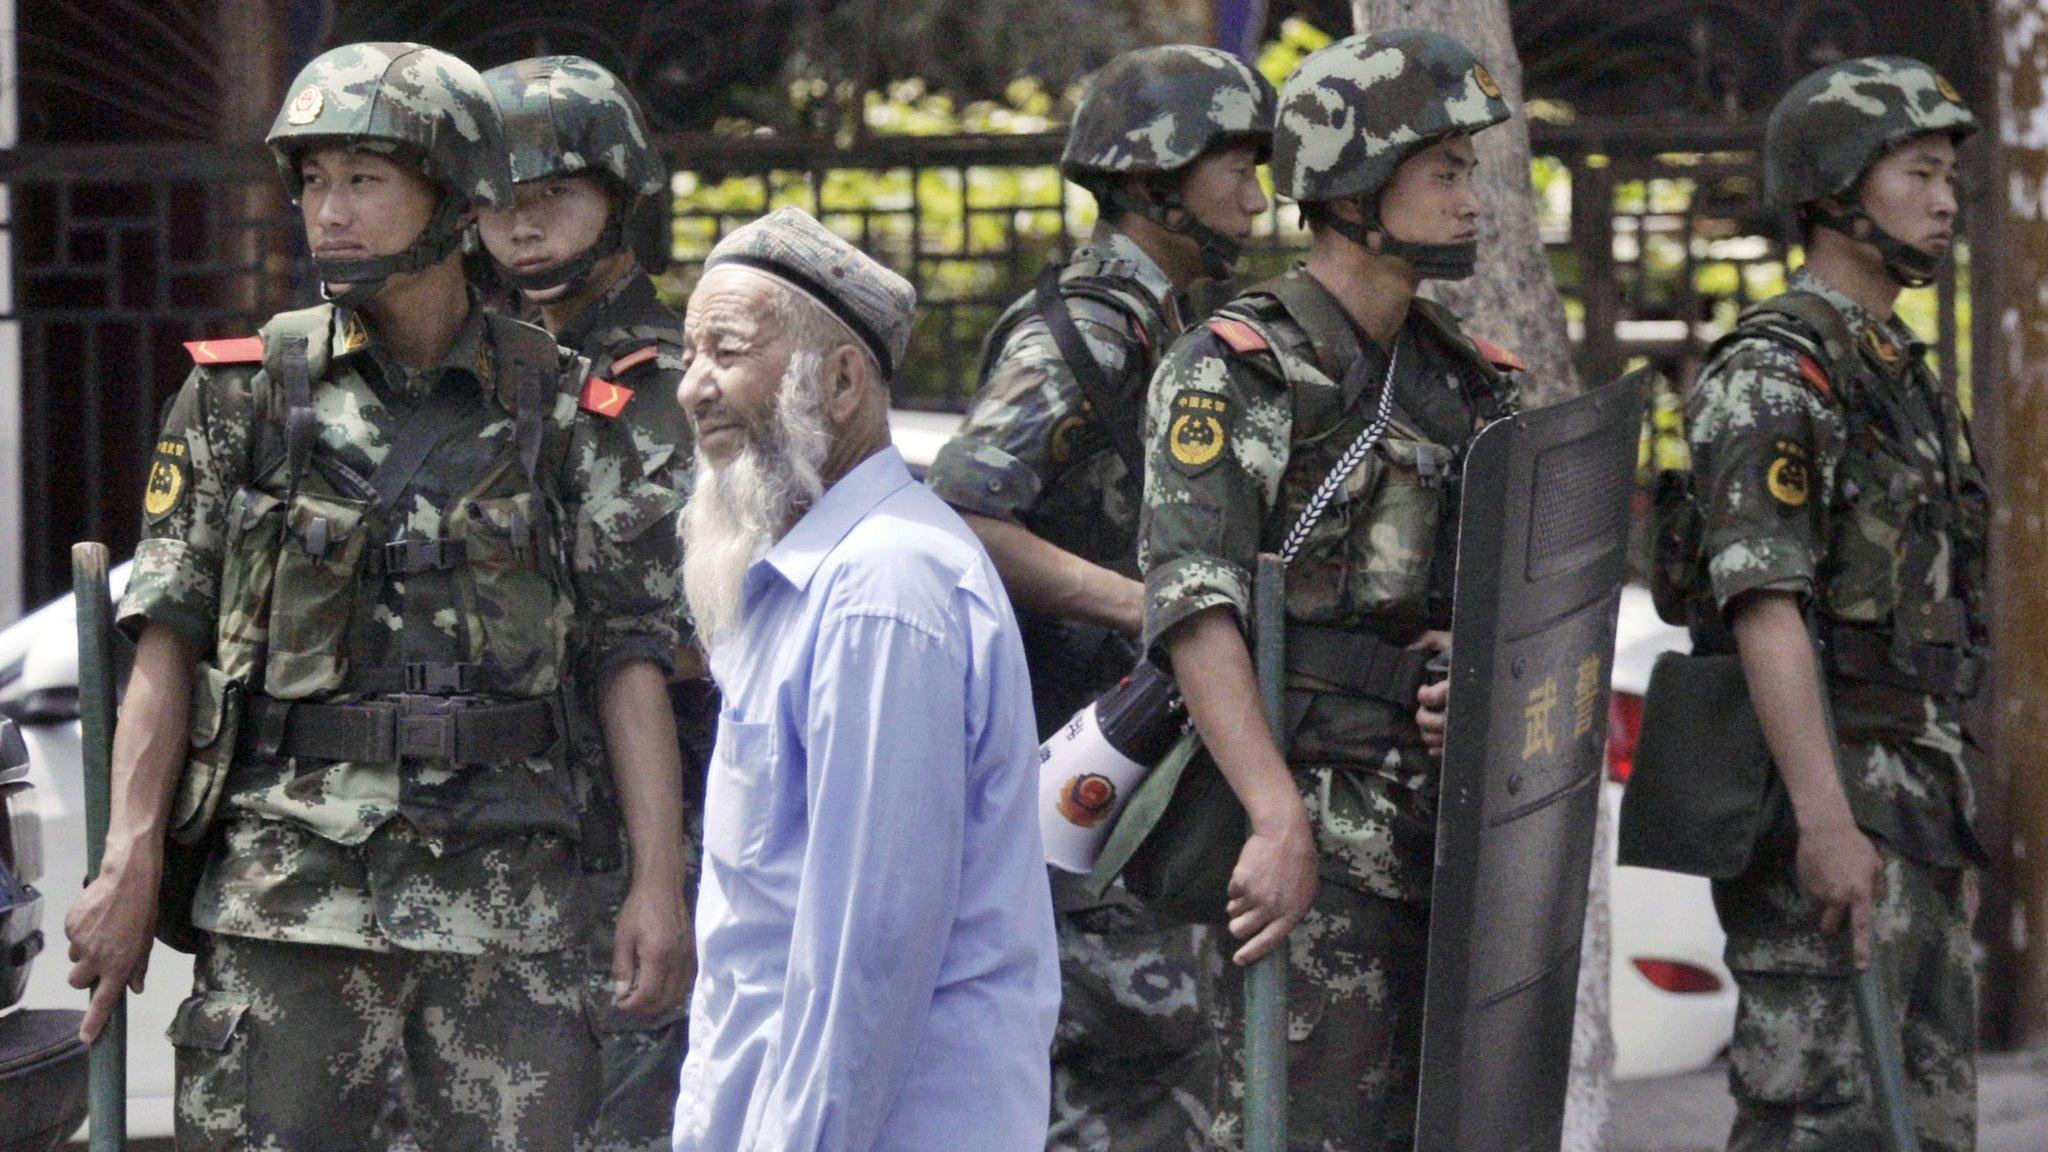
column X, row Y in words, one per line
column 876, row 961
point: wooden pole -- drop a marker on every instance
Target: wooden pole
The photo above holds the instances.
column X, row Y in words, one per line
column 2020, row 499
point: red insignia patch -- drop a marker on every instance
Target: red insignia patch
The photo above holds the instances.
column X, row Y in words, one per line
column 1241, row 336
column 1498, row 356
column 633, row 360
column 604, row 397
column 242, row 350
column 1810, row 371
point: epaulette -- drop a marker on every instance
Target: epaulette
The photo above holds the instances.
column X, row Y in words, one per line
column 240, row 350
column 1241, row 336
column 632, row 360
column 603, row 397
column 1498, row 356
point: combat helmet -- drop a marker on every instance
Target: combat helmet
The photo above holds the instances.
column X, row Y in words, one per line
column 568, row 116
column 1354, row 110
column 412, row 102
column 1154, row 111
column 1833, row 125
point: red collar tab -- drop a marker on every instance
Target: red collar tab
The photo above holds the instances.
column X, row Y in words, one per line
column 241, row 350
column 632, row 360
column 1241, row 336
column 604, row 397
column 1498, row 356
column 1816, row 378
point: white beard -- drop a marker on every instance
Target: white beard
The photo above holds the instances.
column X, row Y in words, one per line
column 738, row 510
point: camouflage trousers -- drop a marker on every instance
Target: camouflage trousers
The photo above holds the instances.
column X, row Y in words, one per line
column 640, row 1057
column 1354, row 1025
column 1796, row 1063
column 1133, row 1058
column 294, row 1046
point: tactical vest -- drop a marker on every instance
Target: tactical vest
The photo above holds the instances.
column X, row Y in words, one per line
column 320, row 554
column 1383, row 557
column 1898, row 603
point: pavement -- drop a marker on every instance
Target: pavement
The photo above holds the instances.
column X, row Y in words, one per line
column 1691, row 1113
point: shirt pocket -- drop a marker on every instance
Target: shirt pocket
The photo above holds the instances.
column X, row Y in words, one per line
column 739, row 793
column 314, row 596
column 1393, row 529
column 520, row 623
column 255, row 524
column 1880, row 495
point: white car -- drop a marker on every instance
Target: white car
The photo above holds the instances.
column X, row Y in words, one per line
column 1674, row 1000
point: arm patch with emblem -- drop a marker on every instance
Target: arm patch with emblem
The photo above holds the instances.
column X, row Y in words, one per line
column 1198, row 431
column 170, row 478
column 1788, row 477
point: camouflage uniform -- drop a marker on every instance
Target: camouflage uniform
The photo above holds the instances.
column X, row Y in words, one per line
column 565, row 115
column 1247, row 415
column 395, row 867
column 1830, row 464
column 1133, row 1060
column 1829, row 478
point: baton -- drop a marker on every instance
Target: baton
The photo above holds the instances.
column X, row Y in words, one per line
column 107, row 1070
column 1265, row 986
column 1883, row 1060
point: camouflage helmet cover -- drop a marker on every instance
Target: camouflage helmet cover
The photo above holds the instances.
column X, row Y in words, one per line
column 398, row 95
column 1838, row 121
column 567, row 114
column 1354, row 110
column 1158, row 109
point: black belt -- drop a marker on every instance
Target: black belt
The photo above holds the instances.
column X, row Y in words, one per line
column 384, row 731
column 1357, row 661
column 408, row 557
column 425, row 678
column 1876, row 656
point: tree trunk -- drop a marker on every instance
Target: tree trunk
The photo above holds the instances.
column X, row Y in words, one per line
column 1514, row 301
column 2019, row 537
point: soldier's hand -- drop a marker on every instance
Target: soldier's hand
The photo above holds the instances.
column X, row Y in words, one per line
column 109, row 927
column 654, row 956
column 1273, row 884
column 1840, row 870
column 1432, row 702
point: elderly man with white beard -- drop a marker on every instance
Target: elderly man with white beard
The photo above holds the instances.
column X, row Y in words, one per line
column 877, row 964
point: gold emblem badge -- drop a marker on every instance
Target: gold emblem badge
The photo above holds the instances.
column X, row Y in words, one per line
column 1947, row 90
column 1484, row 79
column 306, row 106
column 1066, row 437
column 1886, row 351
column 1086, row 800
column 1196, row 435
column 167, row 479
column 1788, row 477
column 354, row 335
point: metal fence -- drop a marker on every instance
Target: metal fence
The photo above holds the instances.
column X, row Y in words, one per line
column 121, row 252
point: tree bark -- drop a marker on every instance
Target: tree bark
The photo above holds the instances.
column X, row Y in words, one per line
column 2019, row 536
column 1513, row 300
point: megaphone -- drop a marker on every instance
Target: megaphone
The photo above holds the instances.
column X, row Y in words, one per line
column 1088, row 769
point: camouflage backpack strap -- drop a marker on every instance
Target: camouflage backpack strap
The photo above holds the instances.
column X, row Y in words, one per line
column 295, row 353
column 1492, row 362
column 533, row 361
column 1329, row 330
column 1112, row 408
column 1811, row 329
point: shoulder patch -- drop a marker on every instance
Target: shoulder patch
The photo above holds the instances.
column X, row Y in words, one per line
column 1198, row 430
column 170, row 478
column 1816, row 377
column 241, row 350
column 1241, row 336
column 632, row 360
column 604, row 397
column 1498, row 356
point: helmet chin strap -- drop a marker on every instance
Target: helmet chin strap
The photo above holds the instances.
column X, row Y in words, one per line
column 1219, row 253
column 365, row 277
column 1430, row 261
column 573, row 272
column 1908, row 265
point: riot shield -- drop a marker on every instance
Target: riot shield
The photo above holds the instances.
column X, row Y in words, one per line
column 1542, row 549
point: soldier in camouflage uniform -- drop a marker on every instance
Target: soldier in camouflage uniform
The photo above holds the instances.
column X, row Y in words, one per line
column 1248, row 415
column 1838, row 493
column 1168, row 140
column 585, row 166
column 384, row 543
